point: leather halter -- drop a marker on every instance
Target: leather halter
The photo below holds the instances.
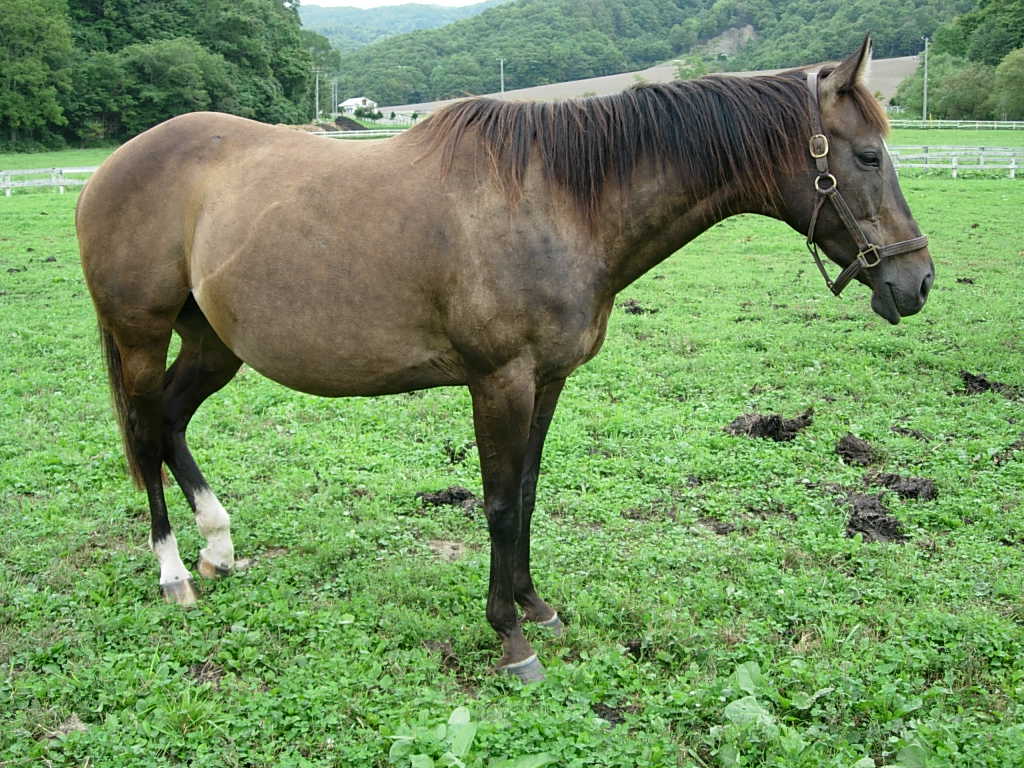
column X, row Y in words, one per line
column 868, row 254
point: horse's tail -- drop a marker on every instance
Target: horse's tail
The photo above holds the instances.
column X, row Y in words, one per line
column 119, row 398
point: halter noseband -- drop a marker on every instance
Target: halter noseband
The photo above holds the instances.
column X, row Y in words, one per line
column 868, row 254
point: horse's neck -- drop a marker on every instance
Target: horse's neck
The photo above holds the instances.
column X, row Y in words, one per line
column 645, row 224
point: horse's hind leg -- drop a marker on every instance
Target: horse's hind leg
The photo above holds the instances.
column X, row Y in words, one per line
column 202, row 367
column 136, row 355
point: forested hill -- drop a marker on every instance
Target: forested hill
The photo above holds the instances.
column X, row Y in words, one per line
column 548, row 41
column 351, row 28
column 99, row 71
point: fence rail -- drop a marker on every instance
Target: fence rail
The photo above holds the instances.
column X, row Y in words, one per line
column 983, row 125
column 43, row 177
column 378, row 133
column 957, row 160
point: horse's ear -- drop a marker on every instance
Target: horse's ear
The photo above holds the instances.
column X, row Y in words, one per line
column 852, row 72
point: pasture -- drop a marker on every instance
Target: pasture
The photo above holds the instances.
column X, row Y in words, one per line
column 718, row 612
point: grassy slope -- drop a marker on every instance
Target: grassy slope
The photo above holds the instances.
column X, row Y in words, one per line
column 348, row 626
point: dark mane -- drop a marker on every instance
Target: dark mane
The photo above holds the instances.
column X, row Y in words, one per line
column 745, row 129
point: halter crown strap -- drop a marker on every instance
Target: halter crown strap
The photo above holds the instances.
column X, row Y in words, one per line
column 868, row 254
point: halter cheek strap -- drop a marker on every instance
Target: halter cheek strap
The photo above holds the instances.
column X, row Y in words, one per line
column 827, row 188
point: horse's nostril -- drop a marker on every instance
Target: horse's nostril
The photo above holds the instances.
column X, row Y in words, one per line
column 926, row 285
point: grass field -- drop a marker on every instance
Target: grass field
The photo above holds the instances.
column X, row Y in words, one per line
column 916, row 137
column 718, row 614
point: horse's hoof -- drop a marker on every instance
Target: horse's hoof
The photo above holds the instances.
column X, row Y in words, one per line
column 553, row 625
column 210, row 571
column 181, row 593
column 528, row 671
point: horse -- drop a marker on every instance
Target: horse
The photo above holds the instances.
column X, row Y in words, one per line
column 482, row 248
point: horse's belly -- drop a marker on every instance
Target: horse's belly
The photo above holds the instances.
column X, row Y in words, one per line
column 332, row 349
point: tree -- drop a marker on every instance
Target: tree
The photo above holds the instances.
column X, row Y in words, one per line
column 172, row 77
column 1008, row 93
column 35, row 52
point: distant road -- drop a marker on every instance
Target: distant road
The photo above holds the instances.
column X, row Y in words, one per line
column 886, row 75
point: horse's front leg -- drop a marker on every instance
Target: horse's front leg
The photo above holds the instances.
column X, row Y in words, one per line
column 503, row 403
column 534, row 608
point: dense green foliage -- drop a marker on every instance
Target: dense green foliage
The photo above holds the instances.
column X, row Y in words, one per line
column 101, row 70
column 976, row 70
column 351, row 28
column 809, row 31
column 985, row 34
column 718, row 616
column 547, row 41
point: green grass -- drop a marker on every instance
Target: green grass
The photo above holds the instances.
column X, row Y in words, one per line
column 780, row 643
column 66, row 158
column 959, row 137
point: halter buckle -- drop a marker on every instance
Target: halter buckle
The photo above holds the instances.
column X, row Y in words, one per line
column 870, row 252
column 818, row 145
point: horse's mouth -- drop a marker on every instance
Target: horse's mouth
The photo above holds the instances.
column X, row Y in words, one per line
column 883, row 302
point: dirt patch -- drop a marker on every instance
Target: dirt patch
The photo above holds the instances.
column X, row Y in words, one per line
column 457, row 454
column 634, row 307
column 207, row 673
column 922, row 488
column 975, row 384
column 613, row 715
column 771, row 426
column 72, row 724
column 1007, row 453
column 776, row 509
column 658, row 510
column 917, row 434
column 718, row 526
column 871, row 518
column 245, row 563
column 853, row 450
column 453, row 496
column 448, row 550
column 451, row 663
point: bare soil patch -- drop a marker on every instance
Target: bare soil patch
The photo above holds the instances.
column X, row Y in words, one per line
column 853, row 450
column 207, row 673
column 721, row 527
column 634, row 307
column 452, row 496
column 448, row 550
column 1007, row 453
column 922, row 488
column 771, row 426
column 870, row 518
column 917, row 434
column 613, row 715
column 976, row 384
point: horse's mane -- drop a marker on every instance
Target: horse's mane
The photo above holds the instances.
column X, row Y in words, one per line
column 744, row 129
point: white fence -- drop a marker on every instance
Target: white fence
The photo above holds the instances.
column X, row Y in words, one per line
column 986, row 125
column 44, row 177
column 958, row 160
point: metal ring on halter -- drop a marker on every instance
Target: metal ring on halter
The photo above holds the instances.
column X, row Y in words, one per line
column 826, row 190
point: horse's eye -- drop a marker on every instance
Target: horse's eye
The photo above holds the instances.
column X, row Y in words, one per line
column 870, row 157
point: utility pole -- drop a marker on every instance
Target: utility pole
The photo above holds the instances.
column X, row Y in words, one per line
column 316, row 90
column 924, row 108
column 502, row 63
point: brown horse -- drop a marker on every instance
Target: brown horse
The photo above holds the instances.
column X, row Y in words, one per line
column 483, row 248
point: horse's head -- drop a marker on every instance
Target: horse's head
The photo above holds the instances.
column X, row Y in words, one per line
column 850, row 202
